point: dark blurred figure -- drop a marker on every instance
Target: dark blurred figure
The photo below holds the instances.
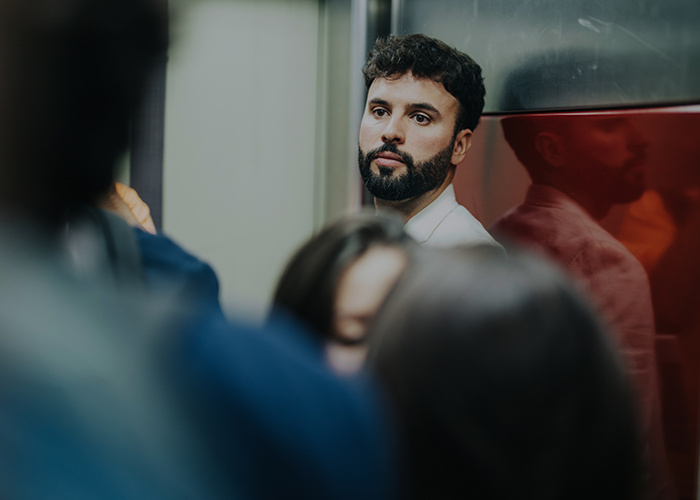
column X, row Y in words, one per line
column 85, row 412
column 580, row 166
column 111, row 393
column 338, row 279
column 72, row 73
column 504, row 383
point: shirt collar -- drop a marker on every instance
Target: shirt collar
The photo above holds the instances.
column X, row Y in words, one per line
column 422, row 225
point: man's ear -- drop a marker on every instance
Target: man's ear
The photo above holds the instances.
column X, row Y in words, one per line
column 463, row 141
column 551, row 147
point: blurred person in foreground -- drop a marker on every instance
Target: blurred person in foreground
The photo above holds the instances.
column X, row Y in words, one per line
column 116, row 394
column 338, row 279
column 504, row 383
column 424, row 100
column 114, row 241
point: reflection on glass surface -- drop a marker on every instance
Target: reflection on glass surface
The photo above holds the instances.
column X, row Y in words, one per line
column 580, row 168
column 639, row 51
column 614, row 198
column 589, row 79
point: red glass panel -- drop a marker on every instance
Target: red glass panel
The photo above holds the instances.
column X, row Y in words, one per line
column 616, row 202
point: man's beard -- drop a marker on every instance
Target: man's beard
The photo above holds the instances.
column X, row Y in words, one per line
column 613, row 185
column 627, row 188
column 418, row 179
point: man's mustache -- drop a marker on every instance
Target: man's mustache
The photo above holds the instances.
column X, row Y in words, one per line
column 390, row 147
column 639, row 160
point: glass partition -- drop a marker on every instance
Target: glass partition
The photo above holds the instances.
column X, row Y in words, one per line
column 614, row 198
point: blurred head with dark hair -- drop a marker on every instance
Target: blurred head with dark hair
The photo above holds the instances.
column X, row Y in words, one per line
column 424, row 101
column 336, row 281
column 72, row 72
column 504, row 383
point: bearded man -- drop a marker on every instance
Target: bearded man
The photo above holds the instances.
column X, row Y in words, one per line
column 424, row 100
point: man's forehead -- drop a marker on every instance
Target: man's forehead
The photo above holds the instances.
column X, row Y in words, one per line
column 408, row 89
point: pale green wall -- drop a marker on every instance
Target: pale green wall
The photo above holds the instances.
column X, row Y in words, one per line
column 240, row 146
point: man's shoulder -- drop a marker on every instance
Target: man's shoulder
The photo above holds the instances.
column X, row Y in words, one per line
column 548, row 225
column 167, row 265
column 572, row 238
column 277, row 403
column 459, row 227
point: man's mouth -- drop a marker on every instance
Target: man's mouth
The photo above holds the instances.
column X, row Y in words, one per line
column 388, row 159
column 637, row 165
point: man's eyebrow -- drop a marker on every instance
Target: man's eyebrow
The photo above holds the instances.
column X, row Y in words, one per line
column 377, row 100
column 425, row 106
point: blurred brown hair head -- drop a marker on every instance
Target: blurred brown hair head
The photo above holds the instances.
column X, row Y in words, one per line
column 71, row 74
column 504, row 383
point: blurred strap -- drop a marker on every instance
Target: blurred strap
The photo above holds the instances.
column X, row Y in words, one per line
column 147, row 141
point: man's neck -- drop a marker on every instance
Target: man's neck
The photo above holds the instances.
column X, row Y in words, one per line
column 596, row 207
column 412, row 206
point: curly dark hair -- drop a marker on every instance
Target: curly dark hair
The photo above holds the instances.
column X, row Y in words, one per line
column 430, row 58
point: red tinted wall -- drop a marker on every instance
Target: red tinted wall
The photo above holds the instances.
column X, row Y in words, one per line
column 636, row 175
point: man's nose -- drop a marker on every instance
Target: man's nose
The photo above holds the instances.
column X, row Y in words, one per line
column 393, row 132
column 636, row 139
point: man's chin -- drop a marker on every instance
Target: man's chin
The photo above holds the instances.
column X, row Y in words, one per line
column 387, row 189
column 384, row 172
column 628, row 192
column 630, row 196
column 390, row 197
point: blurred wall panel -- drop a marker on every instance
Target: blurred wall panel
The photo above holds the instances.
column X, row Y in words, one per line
column 337, row 179
column 240, row 149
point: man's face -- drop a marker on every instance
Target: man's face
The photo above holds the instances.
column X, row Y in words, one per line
column 609, row 156
column 406, row 137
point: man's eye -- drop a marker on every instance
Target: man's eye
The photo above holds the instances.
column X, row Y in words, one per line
column 421, row 119
column 379, row 112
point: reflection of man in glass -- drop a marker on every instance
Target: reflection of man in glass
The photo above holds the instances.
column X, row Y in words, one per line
column 581, row 166
column 596, row 160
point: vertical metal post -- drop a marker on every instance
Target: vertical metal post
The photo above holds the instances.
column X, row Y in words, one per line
column 371, row 20
column 358, row 54
column 396, row 16
column 147, row 141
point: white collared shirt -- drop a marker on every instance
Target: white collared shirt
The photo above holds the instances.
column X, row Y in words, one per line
column 446, row 223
